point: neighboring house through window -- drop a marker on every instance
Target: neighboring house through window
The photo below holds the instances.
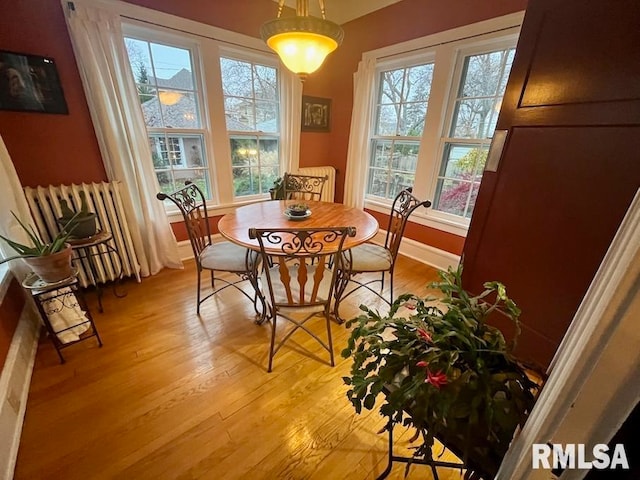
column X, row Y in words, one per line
column 180, row 99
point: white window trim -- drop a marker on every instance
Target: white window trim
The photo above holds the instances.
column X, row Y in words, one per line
column 207, row 39
column 448, row 48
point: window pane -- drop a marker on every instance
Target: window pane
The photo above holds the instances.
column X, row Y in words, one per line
column 169, row 100
column 251, row 105
column 256, row 164
column 177, row 158
column 388, row 116
column 236, row 78
column 392, row 167
column 475, row 114
column 265, row 83
column 266, row 116
column 179, row 109
column 172, row 66
column 412, row 120
column 239, row 114
column 473, row 118
column 403, row 96
column 460, row 161
column 453, row 196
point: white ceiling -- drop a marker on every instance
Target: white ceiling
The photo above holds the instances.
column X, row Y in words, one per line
column 343, row 11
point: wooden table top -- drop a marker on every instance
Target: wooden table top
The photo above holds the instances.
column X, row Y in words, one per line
column 270, row 214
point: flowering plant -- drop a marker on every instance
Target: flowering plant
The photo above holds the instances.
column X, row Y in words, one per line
column 443, row 370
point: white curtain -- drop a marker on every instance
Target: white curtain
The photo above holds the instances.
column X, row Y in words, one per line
column 98, row 45
column 292, row 109
column 12, row 200
column 358, row 152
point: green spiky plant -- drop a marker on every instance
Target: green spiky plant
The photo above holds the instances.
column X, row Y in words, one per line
column 443, row 370
column 38, row 247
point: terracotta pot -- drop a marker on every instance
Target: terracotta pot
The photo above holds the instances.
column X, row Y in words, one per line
column 52, row 268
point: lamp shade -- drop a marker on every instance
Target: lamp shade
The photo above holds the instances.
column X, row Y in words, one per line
column 302, row 42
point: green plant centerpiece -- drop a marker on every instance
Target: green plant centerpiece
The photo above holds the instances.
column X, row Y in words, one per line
column 298, row 209
column 82, row 222
column 443, row 370
column 51, row 261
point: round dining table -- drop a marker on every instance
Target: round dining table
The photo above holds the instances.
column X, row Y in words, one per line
column 271, row 214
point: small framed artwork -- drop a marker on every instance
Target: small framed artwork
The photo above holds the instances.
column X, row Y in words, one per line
column 316, row 114
column 30, row 83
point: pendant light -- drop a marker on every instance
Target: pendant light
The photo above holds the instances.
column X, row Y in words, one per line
column 303, row 41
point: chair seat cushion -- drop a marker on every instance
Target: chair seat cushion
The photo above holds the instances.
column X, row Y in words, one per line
column 280, row 292
column 369, row 257
column 227, row 256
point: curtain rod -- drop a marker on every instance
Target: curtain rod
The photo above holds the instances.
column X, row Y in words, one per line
column 447, row 42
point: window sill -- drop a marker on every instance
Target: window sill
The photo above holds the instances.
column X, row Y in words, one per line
column 427, row 219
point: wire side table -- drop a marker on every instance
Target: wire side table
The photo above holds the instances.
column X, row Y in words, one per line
column 56, row 298
column 87, row 249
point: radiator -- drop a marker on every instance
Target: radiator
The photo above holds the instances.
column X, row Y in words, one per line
column 329, row 190
column 102, row 198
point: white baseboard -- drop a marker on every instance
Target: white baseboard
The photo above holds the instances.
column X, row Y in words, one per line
column 14, row 387
column 423, row 253
column 410, row 248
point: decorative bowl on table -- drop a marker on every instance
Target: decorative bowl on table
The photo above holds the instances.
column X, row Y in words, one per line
column 297, row 211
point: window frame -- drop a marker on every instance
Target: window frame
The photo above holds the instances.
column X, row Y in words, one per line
column 208, row 87
column 396, row 63
column 449, row 49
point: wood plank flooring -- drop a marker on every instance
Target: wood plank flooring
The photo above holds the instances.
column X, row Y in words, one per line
column 172, row 395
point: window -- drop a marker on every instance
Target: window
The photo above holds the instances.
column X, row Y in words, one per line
column 403, row 97
column 251, row 107
column 170, row 101
column 475, row 113
column 435, row 111
column 212, row 112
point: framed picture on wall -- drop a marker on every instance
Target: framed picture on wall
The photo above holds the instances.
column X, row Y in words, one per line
column 316, row 114
column 30, row 83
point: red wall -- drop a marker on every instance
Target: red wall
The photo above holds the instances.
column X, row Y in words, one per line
column 54, row 149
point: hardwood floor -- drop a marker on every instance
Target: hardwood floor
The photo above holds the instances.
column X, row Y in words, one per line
column 172, row 395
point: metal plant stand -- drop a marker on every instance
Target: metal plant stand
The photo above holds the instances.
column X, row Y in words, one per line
column 55, row 298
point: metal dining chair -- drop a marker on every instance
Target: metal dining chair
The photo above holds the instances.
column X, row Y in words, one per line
column 303, row 187
column 371, row 258
column 301, row 282
column 215, row 257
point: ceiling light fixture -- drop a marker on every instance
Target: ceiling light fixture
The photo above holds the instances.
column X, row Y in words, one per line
column 303, row 41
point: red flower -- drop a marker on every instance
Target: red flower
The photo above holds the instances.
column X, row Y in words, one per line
column 411, row 305
column 422, row 364
column 422, row 333
column 436, row 379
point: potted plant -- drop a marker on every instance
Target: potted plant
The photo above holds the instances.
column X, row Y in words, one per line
column 83, row 222
column 277, row 191
column 51, row 261
column 443, row 370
